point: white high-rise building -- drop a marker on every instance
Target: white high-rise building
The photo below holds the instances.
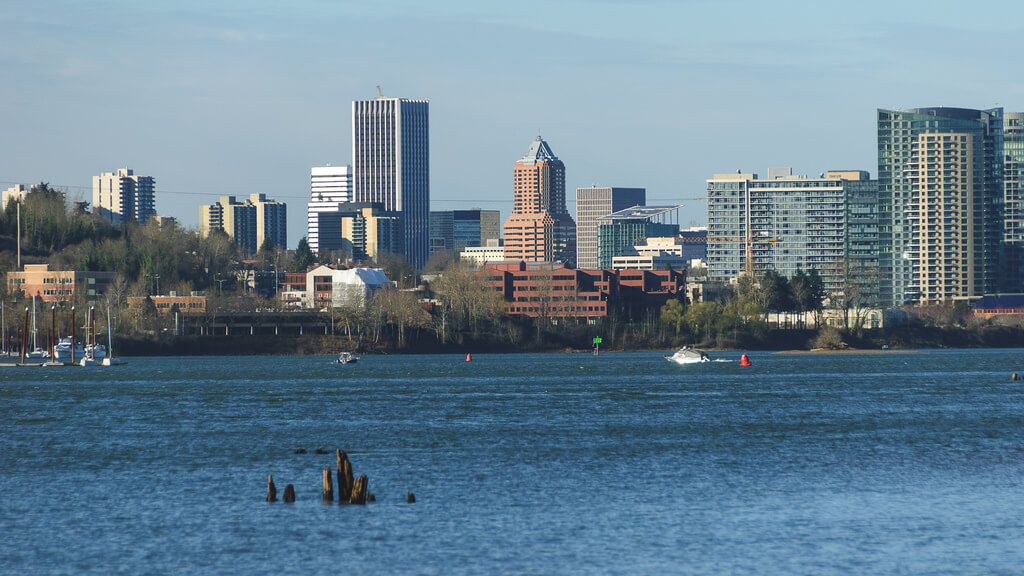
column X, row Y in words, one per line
column 122, row 196
column 391, row 165
column 331, row 186
column 593, row 203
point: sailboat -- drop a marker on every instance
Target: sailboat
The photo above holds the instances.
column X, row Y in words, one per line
column 36, row 353
column 110, row 359
column 90, row 357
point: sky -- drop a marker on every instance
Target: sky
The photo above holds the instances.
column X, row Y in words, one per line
column 217, row 98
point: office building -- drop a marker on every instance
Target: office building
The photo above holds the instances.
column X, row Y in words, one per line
column 1013, row 202
column 557, row 292
column 454, row 230
column 391, row 166
column 593, row 203
column 492, row 251
column 330, row 186
column 123, row 196
column 540, row 228
column 788, row 222
column 623, row 229
column 655, row 253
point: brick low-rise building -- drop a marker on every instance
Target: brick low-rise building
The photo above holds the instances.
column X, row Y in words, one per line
column 58, row 285
column 552, row 290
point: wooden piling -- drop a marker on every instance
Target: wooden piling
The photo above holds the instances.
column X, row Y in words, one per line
column 344, row 476
column 359, row 490
column 271, row 489
column 328, row 492
column 410, row 497
column 289, row 494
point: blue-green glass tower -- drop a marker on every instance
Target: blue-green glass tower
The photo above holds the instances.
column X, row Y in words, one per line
column 910, row 171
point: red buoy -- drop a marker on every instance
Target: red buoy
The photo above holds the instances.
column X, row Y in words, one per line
column 744, row 361
column 469, row 357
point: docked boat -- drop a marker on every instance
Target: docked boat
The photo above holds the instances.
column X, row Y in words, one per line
column 62, row 352
column 109, row 359
column 687, row 355
column 346, row 358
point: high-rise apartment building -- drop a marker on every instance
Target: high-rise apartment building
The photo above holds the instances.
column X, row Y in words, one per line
column 454, row 230
column 358, row 232
column 788, row 222
column 1013, row 202
column 593, row 203
column 248, row 223
column 940, row 191
column 123, row 196
column 391, row 165
column 331, row 186
column 540, row 228
column 271, row 221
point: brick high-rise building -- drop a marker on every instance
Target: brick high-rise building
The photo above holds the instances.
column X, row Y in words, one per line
column 540, row 228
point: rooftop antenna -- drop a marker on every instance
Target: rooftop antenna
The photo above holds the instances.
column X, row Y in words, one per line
column 379, row 92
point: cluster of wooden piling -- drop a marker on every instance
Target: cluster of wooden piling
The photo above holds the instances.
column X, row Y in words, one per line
column 350, row 490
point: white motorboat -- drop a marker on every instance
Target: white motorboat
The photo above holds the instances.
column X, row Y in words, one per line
column 687, row 355
column 346, row 358
column 63, row 350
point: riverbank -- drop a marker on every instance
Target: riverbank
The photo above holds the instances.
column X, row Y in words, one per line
column 897, row 340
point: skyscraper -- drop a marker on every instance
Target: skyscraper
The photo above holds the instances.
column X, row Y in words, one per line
column 1013, row 202
column 540, row 228
column 330, row 187
column 940, row 193
column 454, row 230
column 593, row 203
column 391, row 165
column 123, row 196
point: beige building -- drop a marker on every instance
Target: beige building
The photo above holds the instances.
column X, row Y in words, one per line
column 944, row 226
column 58, row 285
column 248, row 223
column 480, row 255
column 124, row 196
column 16, row 192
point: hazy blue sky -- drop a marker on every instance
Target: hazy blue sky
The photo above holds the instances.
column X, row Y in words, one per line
column 217, row 98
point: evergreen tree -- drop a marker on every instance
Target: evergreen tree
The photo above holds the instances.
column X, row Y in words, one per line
column 303, row 257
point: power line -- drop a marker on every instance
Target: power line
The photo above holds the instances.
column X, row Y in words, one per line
column 161, row 191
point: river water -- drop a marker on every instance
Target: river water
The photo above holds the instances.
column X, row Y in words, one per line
column 520, row 464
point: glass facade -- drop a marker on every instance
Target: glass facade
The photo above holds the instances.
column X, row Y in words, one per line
column 1013, row 199
column 911, row 168
column 828, row 224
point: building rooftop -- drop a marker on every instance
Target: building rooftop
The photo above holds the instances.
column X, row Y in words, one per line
column 640, row 212
column 539, row 151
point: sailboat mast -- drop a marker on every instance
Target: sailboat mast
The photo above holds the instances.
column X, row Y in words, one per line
column 35, row 346
column 110, row 352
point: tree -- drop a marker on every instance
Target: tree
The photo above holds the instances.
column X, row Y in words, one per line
column 673, row 313
column 303, row 257
column 397, row 268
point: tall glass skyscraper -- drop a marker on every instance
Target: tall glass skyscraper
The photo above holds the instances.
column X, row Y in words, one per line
column 391, row 165
column 940, row 190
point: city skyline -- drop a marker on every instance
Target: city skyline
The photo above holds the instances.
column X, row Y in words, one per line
column 234, row 101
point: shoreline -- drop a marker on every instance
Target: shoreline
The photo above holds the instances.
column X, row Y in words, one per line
column 848, row 351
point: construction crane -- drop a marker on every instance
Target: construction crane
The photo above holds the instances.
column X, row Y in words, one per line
column 379, row 91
